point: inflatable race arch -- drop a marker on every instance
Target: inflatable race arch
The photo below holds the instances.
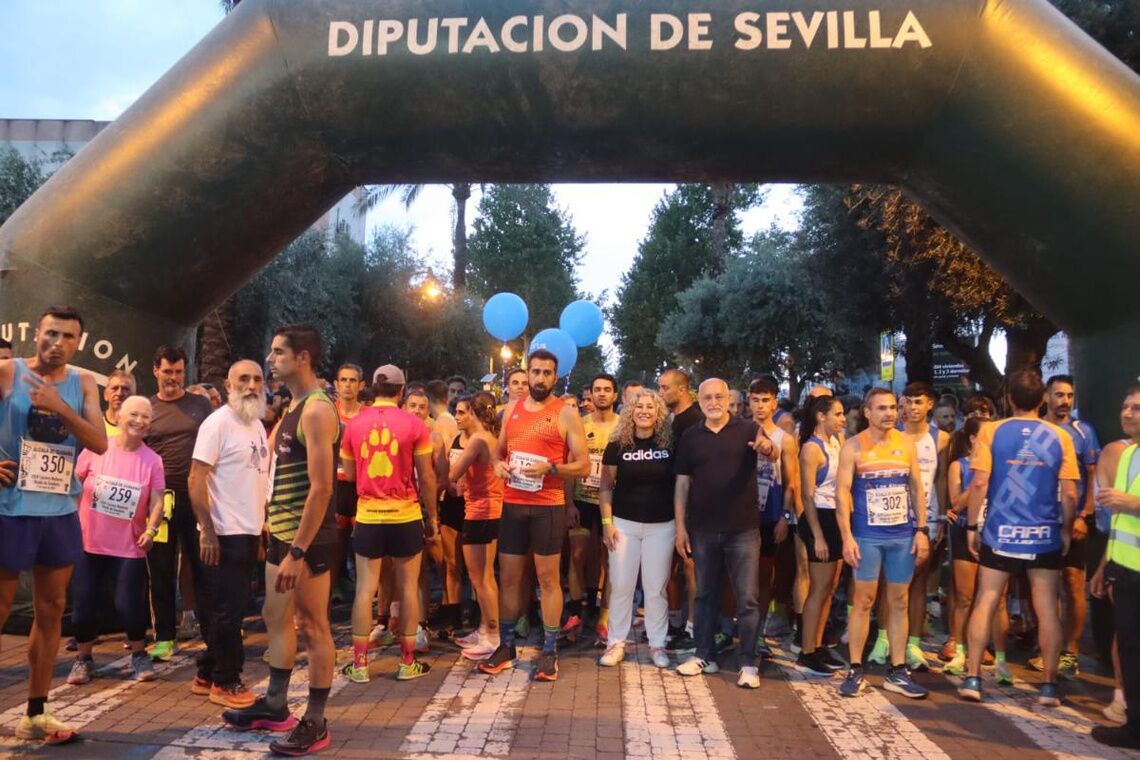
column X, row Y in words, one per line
column 1008, row 123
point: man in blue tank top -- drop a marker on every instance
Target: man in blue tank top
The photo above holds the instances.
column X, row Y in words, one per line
column 1020, row 465
column 48, row 412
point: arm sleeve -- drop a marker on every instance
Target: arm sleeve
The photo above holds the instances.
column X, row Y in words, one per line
column 207, row 444
column 982, row 458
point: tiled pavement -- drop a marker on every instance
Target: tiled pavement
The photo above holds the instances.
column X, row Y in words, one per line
column 591, row 713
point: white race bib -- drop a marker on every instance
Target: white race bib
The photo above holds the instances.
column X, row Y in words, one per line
column 454, row 455
column 886, row 505
column 765, row 478
column 45, row 467
column 519, row 460
column 594, row 479
column 116, row 497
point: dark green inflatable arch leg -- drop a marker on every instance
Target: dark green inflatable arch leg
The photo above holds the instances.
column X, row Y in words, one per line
column 1011, row 126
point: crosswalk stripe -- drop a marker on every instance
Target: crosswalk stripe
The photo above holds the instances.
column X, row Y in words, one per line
column 668, row 715
column 473, row 714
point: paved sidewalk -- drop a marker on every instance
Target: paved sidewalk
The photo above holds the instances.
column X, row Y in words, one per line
column 590, row 713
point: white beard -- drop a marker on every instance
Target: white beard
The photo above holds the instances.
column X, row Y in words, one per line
column 250, row 409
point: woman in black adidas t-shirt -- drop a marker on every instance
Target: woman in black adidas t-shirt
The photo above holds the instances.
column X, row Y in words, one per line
column 636, row 499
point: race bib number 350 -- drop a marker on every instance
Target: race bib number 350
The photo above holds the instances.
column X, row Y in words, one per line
column 45, row 467
column 887, row 505
column 116, row 497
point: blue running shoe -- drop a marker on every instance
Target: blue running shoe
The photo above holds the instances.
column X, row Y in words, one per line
column 971, row 689
column 853, row 684
column 1048, row 696
column 899, row 681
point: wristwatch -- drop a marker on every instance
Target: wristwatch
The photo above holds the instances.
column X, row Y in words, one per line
column 553, row 469
column 789, row 516
column 972, row 528
column 296, row 552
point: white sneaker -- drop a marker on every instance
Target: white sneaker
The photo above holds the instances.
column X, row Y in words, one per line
column 695, row 666
column 44, row 728
column 614, row 654
column 1116, row 712
column 659, row 657
column 470, row 640
column 749, row 677
column 376, row 633
column 483, row 649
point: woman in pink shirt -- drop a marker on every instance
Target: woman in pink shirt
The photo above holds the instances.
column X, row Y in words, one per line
column 120, row 511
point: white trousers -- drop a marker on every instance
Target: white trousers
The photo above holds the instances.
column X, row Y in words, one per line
column 647, row 547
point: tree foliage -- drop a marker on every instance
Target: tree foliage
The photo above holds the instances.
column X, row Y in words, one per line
column 1115, row 24
column 677, row 250
column 19, row 178
column 523, row 243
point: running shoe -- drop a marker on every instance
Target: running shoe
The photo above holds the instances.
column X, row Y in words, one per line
column 423, row 640
column 162, row 651
column 201, row 686
column 971, row 689
column 259, row 717
column 681, row 644
column 797, row 645
column 1069, row 667
column 614, row 654
column 381, row 638
column 916, row 659
column 659, row 657
column 899, row 681
column 503, row 658
column 948, row 650
column 1048, row 696
column 1116, row 736
column 1003, row 675
column 749, row 677
column 812, row 664
column 571, row 628
column 355, row 673
column 72, row 645
column 234, row 696
column 189, row 628
column 831, row 659
column 522, row 627
column 880, row 652
column 603, row 632
column 1115, row 711
column 306, row 737
column 547, row 667
column 723, row 642
column 1036, row 663
column 695, row 666
column 470, row 640
column 482, row 650
column 853, row 683
column 956, row 666
column 81, row 671
column 413, row 670
column 44, row 728
column 142, row 667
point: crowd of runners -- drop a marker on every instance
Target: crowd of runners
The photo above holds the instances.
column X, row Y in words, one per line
column 697, row 520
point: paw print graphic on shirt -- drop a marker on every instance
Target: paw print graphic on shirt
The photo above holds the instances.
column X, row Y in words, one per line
column 378, row 450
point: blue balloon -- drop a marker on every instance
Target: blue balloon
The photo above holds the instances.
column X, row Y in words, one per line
column 583, row 321
column 505, row 316
column 559, row 343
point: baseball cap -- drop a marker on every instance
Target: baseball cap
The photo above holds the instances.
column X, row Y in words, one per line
column 389, row 373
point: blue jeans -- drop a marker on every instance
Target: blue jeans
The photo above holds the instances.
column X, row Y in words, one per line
column 739, row 554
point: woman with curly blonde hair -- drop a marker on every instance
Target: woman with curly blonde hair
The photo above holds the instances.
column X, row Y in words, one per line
column 636, row 499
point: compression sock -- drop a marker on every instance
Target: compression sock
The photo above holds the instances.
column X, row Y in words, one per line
column 507, row 632
column 278, row 689
column 549, row 639
column 408, row 649
column 315, row 710
column 36, row 706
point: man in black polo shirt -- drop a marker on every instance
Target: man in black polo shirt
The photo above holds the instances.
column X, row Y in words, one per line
column 716, row 491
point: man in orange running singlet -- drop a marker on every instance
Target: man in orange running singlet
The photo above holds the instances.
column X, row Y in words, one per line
column 539, row 431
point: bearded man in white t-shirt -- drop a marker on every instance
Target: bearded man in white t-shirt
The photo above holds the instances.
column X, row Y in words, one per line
column 229, row 482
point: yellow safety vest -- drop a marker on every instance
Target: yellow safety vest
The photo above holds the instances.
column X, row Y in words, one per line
column 1124, row 538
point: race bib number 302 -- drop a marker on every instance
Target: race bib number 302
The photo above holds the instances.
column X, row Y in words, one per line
column 887, row 505
column 116, row 497
column 45, row 467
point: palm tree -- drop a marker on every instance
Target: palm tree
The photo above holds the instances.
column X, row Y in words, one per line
column 460, row 191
